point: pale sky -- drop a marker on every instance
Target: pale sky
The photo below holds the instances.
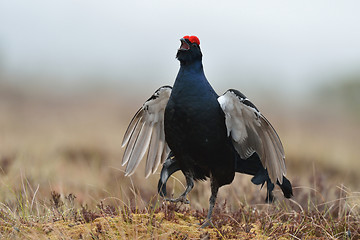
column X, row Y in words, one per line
column 285, row 45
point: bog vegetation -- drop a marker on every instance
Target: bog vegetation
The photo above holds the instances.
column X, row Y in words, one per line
column 61, row 178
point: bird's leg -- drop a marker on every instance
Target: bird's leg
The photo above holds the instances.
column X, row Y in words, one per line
column 189, row 187
column 169, row 167
column 269, row 193
column 214, row 191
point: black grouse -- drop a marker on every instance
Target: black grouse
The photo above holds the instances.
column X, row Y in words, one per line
column 189, row 127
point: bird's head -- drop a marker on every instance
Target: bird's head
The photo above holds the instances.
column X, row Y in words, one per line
column 189, row 50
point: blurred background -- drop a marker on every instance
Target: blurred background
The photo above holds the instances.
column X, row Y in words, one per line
column 73, row 73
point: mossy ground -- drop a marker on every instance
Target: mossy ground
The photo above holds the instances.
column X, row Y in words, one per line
column 174, row 221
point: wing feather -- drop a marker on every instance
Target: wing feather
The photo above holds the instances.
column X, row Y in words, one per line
column 252, row 132
column 152, row 153
column 134, row 121
column 161, row 147
column 132, row 141
column 139, row 149
column 145, row 133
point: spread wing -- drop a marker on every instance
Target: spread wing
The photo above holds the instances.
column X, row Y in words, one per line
column 146, row 133
column 252, row 132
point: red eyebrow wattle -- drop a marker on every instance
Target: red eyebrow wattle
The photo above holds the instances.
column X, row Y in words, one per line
column 192, row 39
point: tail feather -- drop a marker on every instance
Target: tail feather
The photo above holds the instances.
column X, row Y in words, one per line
column 262, row 177
column 286, row 187
column 254, row 167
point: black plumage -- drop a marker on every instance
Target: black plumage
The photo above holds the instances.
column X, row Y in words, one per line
column 190, row 128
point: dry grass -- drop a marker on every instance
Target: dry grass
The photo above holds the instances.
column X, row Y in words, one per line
column 60, row 217
column 61, row 178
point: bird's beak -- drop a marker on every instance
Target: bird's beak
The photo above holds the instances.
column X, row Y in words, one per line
column 184, row 45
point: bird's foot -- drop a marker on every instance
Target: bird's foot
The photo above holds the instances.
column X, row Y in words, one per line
column 181, row 199
column 206, row 223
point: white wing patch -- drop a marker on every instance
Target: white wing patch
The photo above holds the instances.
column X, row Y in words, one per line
column 146, row 133
column 252, row 132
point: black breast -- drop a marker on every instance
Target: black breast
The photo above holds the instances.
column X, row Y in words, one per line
column 195, row 131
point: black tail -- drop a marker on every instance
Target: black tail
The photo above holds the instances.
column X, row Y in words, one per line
column 253, row 166
column 286, row 187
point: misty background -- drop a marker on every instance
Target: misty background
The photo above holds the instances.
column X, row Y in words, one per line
column 290, row 49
